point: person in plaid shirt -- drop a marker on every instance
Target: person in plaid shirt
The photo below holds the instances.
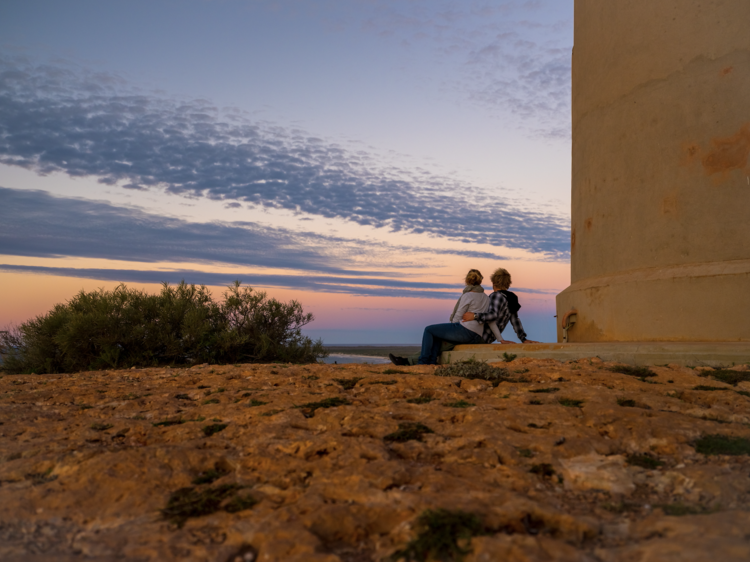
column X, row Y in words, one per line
column 504, row 307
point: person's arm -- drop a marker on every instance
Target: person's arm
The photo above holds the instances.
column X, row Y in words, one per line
column 463, row 306
column 495, row 331
column 518, row 327
column 497, row 311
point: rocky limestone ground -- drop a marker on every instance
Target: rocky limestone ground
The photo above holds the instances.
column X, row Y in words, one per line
column 559, row 462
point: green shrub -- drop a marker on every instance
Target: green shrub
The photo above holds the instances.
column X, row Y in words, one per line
column 181, row 325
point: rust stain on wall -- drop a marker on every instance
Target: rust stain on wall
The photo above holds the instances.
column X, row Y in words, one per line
column 670, row 204
column 573, row 239
column 589, row 223
column 725, row 71
column 729, row 153
column 690, row 153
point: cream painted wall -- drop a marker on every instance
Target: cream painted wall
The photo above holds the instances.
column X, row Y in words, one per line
column 660, row 238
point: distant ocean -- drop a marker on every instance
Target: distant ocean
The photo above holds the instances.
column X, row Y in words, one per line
column 341, row 358
column 376, row 354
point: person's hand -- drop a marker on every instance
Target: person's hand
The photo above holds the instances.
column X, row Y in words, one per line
column 530, row 341
column 506, row 341
column 467, row 316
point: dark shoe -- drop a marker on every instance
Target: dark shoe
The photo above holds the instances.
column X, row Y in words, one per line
column 400, row 361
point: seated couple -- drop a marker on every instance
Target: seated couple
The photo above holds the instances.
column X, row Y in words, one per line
column 476, row 318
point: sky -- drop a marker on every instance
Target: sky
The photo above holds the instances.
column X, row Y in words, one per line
column 359, row 156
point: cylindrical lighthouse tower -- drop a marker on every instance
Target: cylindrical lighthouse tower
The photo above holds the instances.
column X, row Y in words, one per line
column 660, row 241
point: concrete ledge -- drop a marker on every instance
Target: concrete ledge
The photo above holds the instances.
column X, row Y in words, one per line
column 710, row 354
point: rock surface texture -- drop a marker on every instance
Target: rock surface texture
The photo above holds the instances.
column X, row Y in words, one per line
column 325, row 463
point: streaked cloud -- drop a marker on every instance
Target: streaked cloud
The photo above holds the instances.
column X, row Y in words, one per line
column 377, row 287
column 36, row 224
column 55, row 119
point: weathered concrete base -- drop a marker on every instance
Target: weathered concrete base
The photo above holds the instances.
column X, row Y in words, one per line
column 711, row 354
column 697, row 302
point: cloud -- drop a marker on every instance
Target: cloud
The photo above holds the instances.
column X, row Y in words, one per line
column 512, row 58
column 54, row 119
column 36, row 224
column 373, row 287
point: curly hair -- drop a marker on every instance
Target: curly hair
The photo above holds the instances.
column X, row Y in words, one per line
column 474, row 277
column 501, row 278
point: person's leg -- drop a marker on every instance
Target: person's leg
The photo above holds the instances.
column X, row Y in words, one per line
column 444, row 346
column 428, row 342
column 437, row 333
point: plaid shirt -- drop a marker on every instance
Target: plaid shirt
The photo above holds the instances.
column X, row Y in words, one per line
column 499, row 313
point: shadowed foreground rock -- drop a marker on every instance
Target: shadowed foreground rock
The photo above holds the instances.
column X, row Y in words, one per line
column 561, row 462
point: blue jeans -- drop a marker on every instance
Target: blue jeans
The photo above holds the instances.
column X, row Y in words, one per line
column 437, row 333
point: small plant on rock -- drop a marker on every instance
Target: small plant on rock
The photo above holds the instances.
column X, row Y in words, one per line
column 420, row 400
column 189, row 502
column 240, row 503
column 544, row 470
column 473, row 369
column 167, row 423
column 727, row 376
column 644, row 461
column 707, row 387
column 722, row 445
column 308, row 410
column 211, row 475
column 639, row 372
column 458, row 404
column 348, row 384
column 408, row 431
column 680, row 509
column 443, row 535
column 209, row 430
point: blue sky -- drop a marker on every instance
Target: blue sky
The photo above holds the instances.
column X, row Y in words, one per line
column 358, row 156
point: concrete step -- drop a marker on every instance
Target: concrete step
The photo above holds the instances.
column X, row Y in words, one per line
column 694, row 354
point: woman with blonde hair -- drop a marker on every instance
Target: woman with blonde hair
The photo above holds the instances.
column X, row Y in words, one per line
column 457, row 331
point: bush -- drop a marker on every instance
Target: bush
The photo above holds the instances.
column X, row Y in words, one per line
column 472, row 369
column 181, row 325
